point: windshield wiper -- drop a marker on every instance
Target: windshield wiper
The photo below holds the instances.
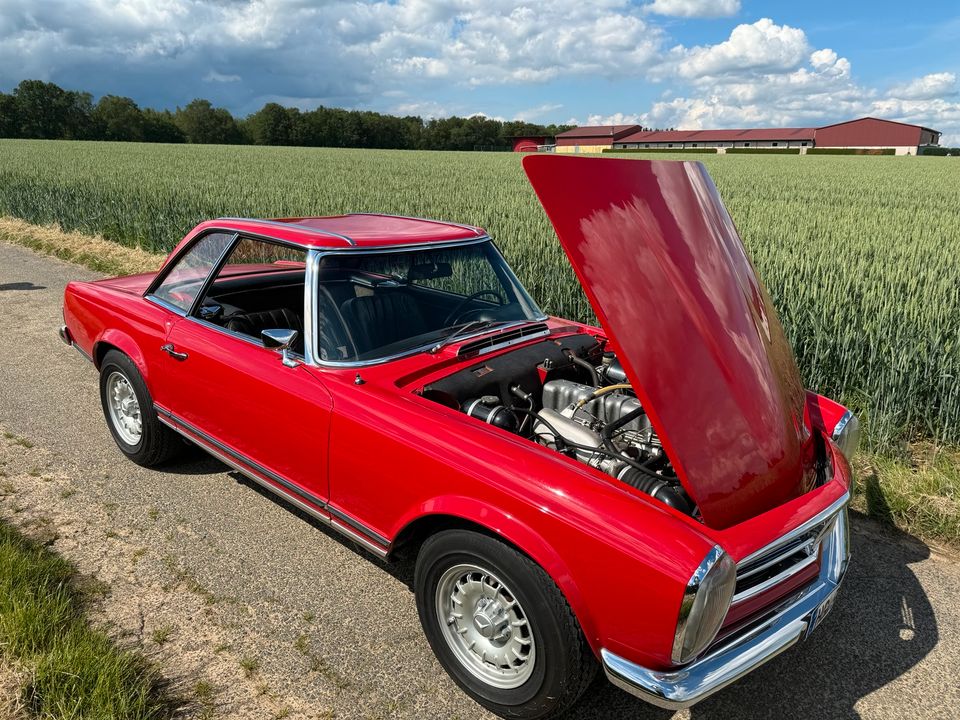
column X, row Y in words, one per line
column 462, row 330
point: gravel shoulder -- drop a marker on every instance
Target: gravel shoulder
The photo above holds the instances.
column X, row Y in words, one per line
column 253, row 611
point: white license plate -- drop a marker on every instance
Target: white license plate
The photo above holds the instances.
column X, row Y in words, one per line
column 823, row 609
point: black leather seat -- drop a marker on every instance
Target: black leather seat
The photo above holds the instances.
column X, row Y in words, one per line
column 381, row 319
column 253, row 323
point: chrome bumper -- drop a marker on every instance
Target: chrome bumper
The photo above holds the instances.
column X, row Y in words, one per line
column 735, row 656
column 64, row 334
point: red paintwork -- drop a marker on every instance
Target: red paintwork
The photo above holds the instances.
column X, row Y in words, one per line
column 377, row 458
column 869, row 132
column 669, row 279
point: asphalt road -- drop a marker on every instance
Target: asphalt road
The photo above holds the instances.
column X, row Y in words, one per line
column 328, row 629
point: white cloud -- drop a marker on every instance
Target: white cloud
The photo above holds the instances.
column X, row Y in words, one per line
column 762, row 46
column 214, row 76
column 341, row 50
column 928, row 87
column 614, row 119
column 535, row 113
column 435, row 57
column 695, row 8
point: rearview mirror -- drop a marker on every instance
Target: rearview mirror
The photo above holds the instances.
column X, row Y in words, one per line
column 282, row 340
column 431, row 271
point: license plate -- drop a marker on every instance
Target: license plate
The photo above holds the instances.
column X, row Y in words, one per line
column 823, row 609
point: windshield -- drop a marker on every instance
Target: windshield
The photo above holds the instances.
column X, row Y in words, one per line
column 374, row 305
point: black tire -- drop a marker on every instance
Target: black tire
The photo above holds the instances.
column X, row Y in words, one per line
column 158, row 444
column 563, row 665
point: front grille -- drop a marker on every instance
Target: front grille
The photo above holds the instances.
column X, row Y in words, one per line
column 780, row 561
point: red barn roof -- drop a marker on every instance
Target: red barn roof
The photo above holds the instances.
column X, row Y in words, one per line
column 598, row 131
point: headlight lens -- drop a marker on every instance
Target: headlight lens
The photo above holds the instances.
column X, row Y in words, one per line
column 705, row 605
column 846, row 435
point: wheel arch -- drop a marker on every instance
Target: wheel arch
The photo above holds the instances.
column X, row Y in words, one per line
column 455, row 514
column 112, row 339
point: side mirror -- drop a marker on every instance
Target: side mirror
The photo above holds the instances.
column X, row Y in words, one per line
column 281, row 340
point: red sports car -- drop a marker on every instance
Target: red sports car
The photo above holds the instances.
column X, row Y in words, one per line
column 658, row 496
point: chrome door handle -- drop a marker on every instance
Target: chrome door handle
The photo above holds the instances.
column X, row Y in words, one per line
column 168, row 349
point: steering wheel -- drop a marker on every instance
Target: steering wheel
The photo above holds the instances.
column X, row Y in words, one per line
column 455, row 313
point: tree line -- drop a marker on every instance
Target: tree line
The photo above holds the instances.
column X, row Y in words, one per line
column 37, row 109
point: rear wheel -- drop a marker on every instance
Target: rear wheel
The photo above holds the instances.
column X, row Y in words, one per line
column 500, row 626
column 128, row 409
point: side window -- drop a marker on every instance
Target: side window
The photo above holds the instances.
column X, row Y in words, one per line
column 260, row 287
column 184, row 280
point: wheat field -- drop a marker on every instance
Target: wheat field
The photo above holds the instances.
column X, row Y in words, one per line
column 861, row 254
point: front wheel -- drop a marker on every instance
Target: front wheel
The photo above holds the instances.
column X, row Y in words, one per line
column 128, row 409
column 500, row 626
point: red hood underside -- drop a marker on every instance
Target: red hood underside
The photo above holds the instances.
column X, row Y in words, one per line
column 670, row 281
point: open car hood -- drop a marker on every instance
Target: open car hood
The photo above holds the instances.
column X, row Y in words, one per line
column 668, row 277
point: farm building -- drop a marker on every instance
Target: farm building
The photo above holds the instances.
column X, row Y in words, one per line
column 864, row 133
column 592, row 139
column 875, row 133
column 528, row 143
column 690, row 139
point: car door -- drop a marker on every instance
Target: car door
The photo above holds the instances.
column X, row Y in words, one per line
column 238, row 397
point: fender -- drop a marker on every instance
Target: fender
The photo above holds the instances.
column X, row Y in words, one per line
column 126, row 344
column 517, row 533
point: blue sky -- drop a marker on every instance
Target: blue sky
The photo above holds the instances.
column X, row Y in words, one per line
column 679, row 63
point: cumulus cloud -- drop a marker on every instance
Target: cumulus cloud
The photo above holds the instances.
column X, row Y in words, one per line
column 434, row 57
column 928, row 87
column 334, row 50
column 761, row 46
column 695, row 8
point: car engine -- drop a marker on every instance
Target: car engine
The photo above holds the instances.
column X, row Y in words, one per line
column 574, row 398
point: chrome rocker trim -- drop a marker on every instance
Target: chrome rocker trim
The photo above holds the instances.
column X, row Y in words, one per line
column 314, row 506
column 745, row 650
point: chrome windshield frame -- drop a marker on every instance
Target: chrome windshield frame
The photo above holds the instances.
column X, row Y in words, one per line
column 311, row 305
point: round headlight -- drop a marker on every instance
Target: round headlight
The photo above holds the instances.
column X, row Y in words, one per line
column 846, row 435
column 705, row 605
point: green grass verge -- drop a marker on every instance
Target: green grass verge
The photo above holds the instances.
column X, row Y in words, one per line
column 73, row 670
column 918, row 493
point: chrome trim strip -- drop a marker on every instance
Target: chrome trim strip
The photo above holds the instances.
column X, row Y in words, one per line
column 689, row 596
column 411, row 247
column 82, row 352
column 67, row 338
column 311, row 316
column 289, row 225
column 779, row 557
column 506, row 343
column 775, row 580
column 476, row 230
column 735, row 656
column 805, row 527
column 164, row 304
column 306, row 501
column 256, row 467
column 356, row 525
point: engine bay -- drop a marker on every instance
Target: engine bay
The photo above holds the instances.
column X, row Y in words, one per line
column 571, row 395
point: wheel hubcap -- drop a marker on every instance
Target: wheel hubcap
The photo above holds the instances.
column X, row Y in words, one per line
column 124, row 408
column 484, row 625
